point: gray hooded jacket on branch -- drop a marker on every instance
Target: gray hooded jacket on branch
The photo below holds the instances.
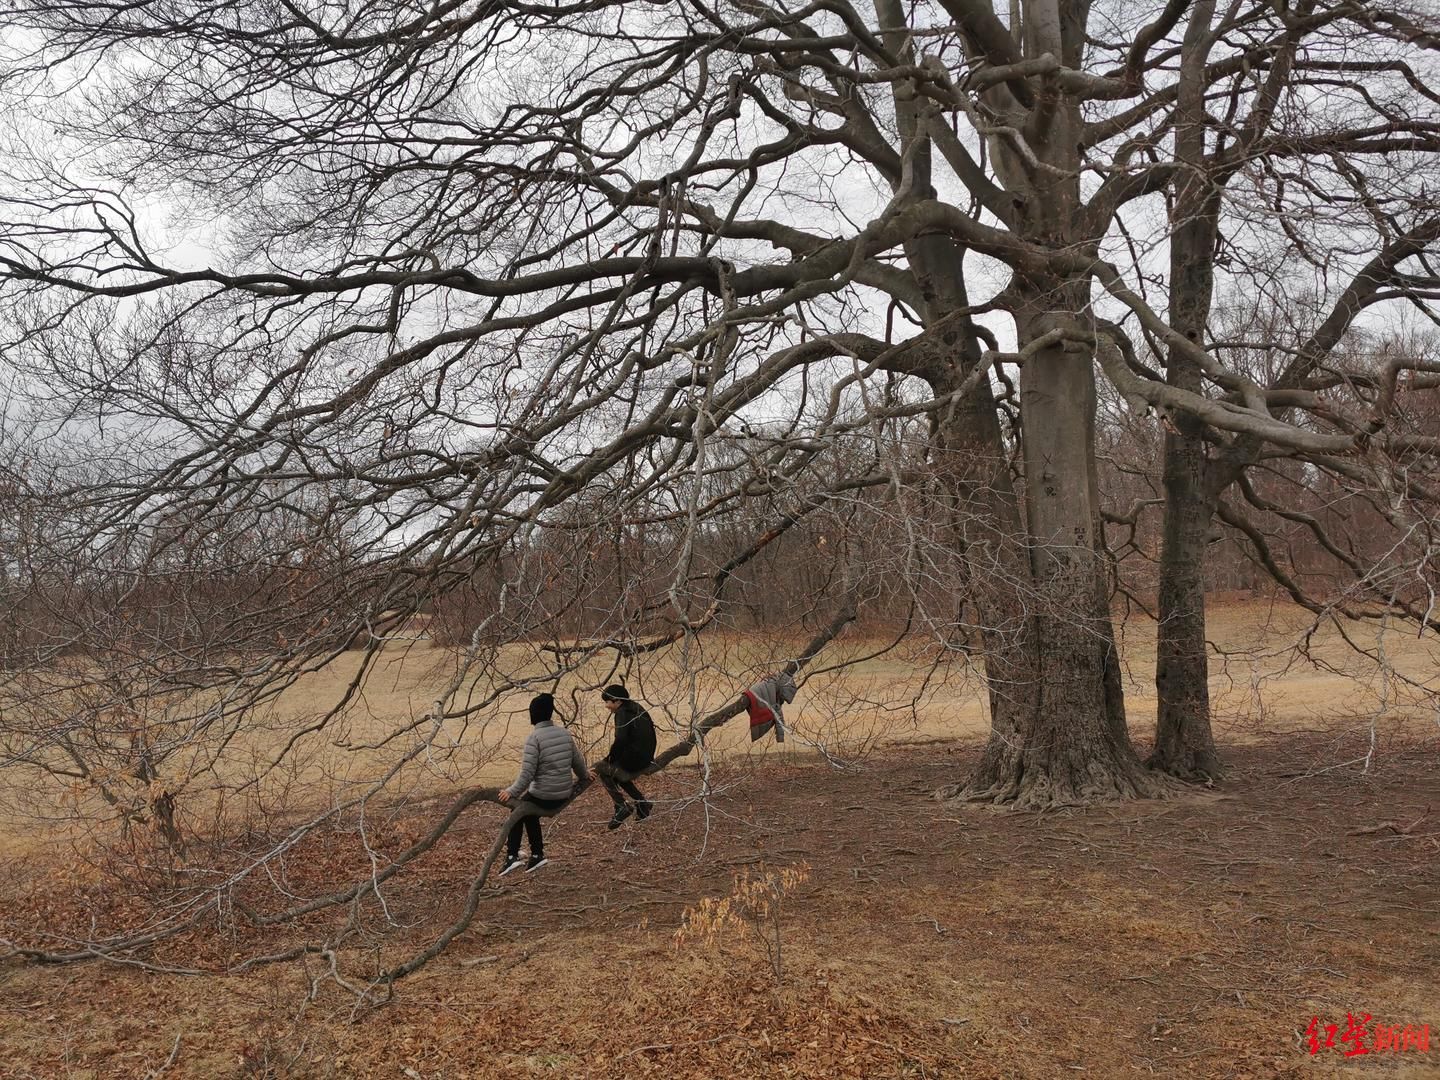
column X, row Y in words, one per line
column 765, row 702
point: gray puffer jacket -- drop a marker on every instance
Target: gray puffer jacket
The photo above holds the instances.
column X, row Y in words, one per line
column 550, row 757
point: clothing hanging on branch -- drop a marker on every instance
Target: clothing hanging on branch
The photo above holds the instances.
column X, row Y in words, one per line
column 765, row 702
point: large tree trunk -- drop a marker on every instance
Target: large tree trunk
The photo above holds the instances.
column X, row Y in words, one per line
column 971, row 457
column 991, row 540
column 1184, row 745
column 1078, row 749
column 1058, row 732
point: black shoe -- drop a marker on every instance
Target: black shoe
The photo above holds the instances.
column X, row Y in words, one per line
column 643, row 809
column 623, row 811
column 536, row 861
column 511, row 863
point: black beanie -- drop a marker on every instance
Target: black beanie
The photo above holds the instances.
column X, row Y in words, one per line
column 615, row 692
column 542, row 708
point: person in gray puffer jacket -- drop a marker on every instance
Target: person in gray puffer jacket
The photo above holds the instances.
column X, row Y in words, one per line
column 545, row 780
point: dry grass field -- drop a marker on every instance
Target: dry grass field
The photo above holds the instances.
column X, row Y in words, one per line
column 1272, row 671
column 1195, row 936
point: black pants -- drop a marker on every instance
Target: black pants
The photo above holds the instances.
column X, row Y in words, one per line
column 531, row 824
column 617, row 779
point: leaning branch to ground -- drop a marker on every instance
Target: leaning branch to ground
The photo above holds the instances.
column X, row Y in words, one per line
column 698, row 731
column 472, row 897
column 122, row 950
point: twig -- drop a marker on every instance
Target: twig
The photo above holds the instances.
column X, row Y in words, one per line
column 1393, row 826
column 677, row 1046
column 174, row 1056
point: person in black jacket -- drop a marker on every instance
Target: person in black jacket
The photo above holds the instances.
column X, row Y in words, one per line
column 632, row 750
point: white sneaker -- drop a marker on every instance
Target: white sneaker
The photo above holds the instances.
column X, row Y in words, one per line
column 512, row 864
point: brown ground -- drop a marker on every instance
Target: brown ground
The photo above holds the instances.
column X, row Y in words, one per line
column 1191, row 937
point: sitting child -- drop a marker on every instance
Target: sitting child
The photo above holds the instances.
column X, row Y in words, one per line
column 545, row 780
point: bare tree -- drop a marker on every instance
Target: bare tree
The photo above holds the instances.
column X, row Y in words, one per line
column 364, row 310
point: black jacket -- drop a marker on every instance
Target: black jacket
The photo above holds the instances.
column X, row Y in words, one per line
column 634, row 745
